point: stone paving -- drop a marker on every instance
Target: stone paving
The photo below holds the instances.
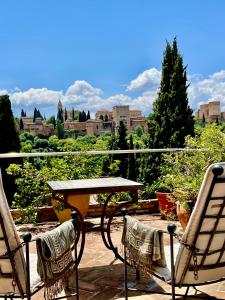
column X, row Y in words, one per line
column 101, row 278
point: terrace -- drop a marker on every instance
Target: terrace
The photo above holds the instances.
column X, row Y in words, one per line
column 100, row 275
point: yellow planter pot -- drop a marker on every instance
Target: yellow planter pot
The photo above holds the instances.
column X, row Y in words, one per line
column 81, row 202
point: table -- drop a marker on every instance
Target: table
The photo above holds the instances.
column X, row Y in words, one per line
column 109, row 185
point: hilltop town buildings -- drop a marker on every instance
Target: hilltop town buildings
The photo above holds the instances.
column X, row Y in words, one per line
column 37, row 127
column 210, row 112
column 105, row 121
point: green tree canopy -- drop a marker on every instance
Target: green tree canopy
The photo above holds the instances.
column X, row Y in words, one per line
column 172, row 119
column 9, row 142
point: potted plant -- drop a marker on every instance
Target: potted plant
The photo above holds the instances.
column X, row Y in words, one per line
column 163, row 192
column 182, row 195
column 183, row 171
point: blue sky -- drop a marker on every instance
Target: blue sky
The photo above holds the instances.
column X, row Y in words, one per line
column 94, row 54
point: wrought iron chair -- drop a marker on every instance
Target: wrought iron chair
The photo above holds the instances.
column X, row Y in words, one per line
column 18, row 267
column 201, row 253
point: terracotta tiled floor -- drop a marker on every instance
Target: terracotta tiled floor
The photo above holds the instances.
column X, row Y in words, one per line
column 101, row 280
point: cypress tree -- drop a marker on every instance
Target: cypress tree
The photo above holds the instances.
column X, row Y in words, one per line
column 60, row 115
column 73, row 115
column 65, row 114
column 203, row 120
column 21, row 124
column 59, row 129
column 83, row 116
column 217, row 121
column 9, row 142
column 122, row 145
column 88, row 115
column 35, row 114
column 80, row 117
column 23, row 113
column 172, row 118
column 131, row 172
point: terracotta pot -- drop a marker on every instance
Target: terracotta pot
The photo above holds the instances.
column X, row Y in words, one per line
column 81, row 202
column 166, row 207
column 183, row 214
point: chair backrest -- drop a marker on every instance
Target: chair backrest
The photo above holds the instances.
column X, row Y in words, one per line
column 12, row 267
column 205, row 231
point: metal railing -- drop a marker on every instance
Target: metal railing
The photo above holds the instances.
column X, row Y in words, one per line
column 92, row 152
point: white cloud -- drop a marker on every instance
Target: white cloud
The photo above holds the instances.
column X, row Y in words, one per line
column 145, row 101
column 3, row 92
column 32, row 97
column 82, row 95
column 83, row 89
column 148, row 79
column 211, row 88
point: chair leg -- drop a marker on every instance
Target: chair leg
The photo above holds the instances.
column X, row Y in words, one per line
column 171, row 229
column 75, row 224
column 125, row 262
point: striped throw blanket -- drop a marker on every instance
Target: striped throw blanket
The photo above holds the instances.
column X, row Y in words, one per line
column 55, row 261
column 144, row 245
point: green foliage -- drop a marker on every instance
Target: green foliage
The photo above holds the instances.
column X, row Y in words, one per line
column 51, row 120
column 118, row 197
column 138, row 131
column 9, row 140
column 59, row 129
column 32, row 191
column 21, row 124
column 37, row 114
column 82, row 116
column 23, row 113
column 172, row 118
column 184, row 171
column 65, row 114
column 131, row 172
column 119, row 142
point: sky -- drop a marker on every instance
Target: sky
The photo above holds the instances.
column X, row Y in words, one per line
column 94, row 54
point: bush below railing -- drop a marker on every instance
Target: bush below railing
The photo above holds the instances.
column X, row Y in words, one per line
column 47, row 214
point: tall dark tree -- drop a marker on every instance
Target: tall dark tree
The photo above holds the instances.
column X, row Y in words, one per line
column 121, row 144
column 172, row 117
column 35, row 114
column 65, row 114
column 131, row 171
column 59, row 129
column 83, row 116
column 23, row 113
column 73, row 114
column 80, row 117
column 88, row 115
column 9, row 142
column 21, row 124
column 203, row 120
column 217, row 121
column 60, row 115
